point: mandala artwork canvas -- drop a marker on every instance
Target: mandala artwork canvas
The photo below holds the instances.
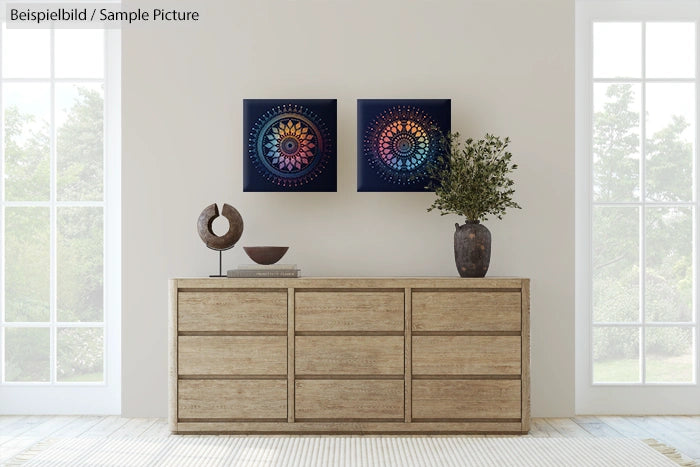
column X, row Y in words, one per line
column 289, row 145
column 397, row 139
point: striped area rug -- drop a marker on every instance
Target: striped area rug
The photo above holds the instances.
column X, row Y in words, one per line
column 344, row 451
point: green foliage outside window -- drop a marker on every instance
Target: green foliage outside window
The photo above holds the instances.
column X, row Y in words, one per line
column 79, row 241
column 668, row 261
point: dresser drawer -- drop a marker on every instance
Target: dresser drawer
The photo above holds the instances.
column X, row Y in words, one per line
column 232, row 355
column 232, row 399
column 349, row 355
column 466, row 355
column 232, row 311
column 349, row 311
column 466, row 311
column 452, row 399
column 348, row 399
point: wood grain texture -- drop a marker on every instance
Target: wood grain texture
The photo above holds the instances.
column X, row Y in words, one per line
column 232, row 311
column 106, row 426
column 336, row 428
column 234, row 377
column 465, row 355
column 353, row 283
column 134, row 428
column 347, row 355
column 408, row 374
column 525, row 355
column 214, row 399
column 349, row 399
column 349, row 311
column 570, row 428
column 466, row 311
column 291, row 319
column 466, row 399
column 315, row 355
column 172, row 355
column 232, row 355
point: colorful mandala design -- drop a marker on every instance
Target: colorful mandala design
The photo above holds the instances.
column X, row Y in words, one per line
column 289, row 145
column 399, row 143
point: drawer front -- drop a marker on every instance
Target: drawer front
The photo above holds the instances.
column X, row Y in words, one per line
column 466, row 311
column 453, row 399
column 466, row 355
column 232, row 311
column 348, row 311
column 230, row 399
column 348, row 399
column 349, row 355
column 232, row 355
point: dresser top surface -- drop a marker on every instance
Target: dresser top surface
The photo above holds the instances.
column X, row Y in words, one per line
column 354, row 282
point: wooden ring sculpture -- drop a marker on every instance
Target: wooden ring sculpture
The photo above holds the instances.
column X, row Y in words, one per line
column 235, row 227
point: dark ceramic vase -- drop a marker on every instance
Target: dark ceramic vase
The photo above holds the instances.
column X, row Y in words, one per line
column 472, row 249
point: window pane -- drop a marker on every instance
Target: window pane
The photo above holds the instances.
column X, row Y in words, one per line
column 27, row 258
column 616, row 148
column 80, row 353
column 79, row 145
column 27, row 143
column 79, row 268
column 669, row 265
column 27, row 354
column 669, row 355
column 615, row 355
column 615, row 264
column 617, row 50
column 670, row 50
column 670, row 135
column 18, row 45
column 79, row 53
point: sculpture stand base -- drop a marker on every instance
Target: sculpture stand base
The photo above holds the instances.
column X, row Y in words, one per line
column 220, row 270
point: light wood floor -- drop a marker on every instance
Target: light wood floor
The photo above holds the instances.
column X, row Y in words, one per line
column 19, row 433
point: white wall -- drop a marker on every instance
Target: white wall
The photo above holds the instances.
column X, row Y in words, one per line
column 508, row 67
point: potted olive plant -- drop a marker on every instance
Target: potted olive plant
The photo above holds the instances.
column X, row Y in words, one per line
column 471, row 179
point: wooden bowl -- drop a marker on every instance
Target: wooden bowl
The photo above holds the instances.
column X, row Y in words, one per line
column 265, row 254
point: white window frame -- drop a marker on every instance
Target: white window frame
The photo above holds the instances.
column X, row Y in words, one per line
column 98, row 398
column 622, row 398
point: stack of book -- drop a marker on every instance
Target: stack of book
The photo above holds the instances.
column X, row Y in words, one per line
column 261, row 270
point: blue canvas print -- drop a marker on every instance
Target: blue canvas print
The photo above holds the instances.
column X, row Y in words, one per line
column 396, row 140
column 289, row 145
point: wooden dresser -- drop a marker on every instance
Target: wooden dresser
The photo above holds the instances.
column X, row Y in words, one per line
column 355, row 355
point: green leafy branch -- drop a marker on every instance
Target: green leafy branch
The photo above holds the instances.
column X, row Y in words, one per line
column 471, row 177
